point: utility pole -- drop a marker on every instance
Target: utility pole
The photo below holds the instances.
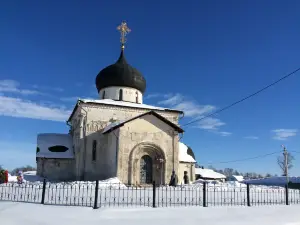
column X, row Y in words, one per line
column 285, row 154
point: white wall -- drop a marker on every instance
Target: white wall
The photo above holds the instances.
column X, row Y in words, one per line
column 98, row 117
column 150, row 130
column 129, row 94
column 190, row 168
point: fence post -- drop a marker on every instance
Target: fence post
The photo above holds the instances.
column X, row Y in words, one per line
column 154, row 195
column 287, row 194
column 248, row 195
column 204, row 195
column 44, row 191
column 96, row 195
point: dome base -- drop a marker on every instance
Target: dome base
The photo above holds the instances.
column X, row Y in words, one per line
column 120, row 93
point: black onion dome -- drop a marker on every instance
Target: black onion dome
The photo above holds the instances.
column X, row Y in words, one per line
column 120, row 74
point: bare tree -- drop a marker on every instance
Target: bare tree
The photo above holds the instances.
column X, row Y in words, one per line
column 228, row 172
column 281, row 162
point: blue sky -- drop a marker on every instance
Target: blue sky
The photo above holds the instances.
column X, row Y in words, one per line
column 198, row 56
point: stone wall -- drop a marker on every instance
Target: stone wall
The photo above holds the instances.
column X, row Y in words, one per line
column 56, row 169
column 190, row 168
column 150, row 136
column 104, row 166
column 88, row 123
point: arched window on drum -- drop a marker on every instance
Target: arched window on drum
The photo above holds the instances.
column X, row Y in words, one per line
column 136, row 97
column 121, row 95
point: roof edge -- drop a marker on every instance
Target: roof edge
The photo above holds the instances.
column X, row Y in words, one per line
column 97, row 103
column 126, row 106
column 74, row 109
column 175, row 126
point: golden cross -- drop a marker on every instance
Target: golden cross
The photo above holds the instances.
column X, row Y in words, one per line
column 124, row 30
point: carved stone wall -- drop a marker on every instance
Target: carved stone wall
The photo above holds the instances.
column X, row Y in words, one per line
column 88, row 123
column 135, row 141
column 104, row 113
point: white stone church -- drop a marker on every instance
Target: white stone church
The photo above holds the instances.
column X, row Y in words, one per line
column 117, row 135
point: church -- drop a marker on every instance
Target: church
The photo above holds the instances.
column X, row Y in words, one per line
column 117, row 135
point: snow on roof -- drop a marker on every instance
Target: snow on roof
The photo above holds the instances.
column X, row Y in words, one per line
column 208, row 173
column 183, row 156
column 120, row 123
column 238, row 178
column 126, row 104
column 112, row 125
column 46, row 141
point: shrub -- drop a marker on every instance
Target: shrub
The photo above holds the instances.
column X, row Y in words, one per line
column 3, row 176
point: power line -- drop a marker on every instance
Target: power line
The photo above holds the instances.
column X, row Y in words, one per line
column 245, row 159
column 237, row 102
column 295, row 152
column 243, row 99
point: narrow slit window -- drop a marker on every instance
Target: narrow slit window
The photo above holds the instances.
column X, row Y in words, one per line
column 136, row 97
column 94, row 150
column 121, row 95
column 103, row 95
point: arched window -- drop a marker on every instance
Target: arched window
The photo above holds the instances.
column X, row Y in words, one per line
column 121, row 95
column 94, row 150
column 136, row 97
column 103, row 95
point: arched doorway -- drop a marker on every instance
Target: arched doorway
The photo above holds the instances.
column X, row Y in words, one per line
column 146, row 167
column 144, row 154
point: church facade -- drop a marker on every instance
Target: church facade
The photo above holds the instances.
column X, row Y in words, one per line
column 117, row 135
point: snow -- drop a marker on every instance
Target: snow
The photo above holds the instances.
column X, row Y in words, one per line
column 183, row 156
column 281, row 181
column 44, row 141
column 28, row 176
column 208, row 173
column 111, row 126
column 238, row 178
column 13, row 213
column 12, row 178
column 121, row 103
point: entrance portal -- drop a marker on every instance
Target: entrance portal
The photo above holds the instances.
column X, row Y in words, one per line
column 146, row 167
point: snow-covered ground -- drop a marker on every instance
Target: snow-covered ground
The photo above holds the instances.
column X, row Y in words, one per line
column 29, row 176
column 33, row 214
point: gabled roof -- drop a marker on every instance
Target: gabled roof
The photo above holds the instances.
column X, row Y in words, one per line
column 116, row 125
column 122, row 104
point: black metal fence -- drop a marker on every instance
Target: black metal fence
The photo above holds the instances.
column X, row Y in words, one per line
column 98, row 195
